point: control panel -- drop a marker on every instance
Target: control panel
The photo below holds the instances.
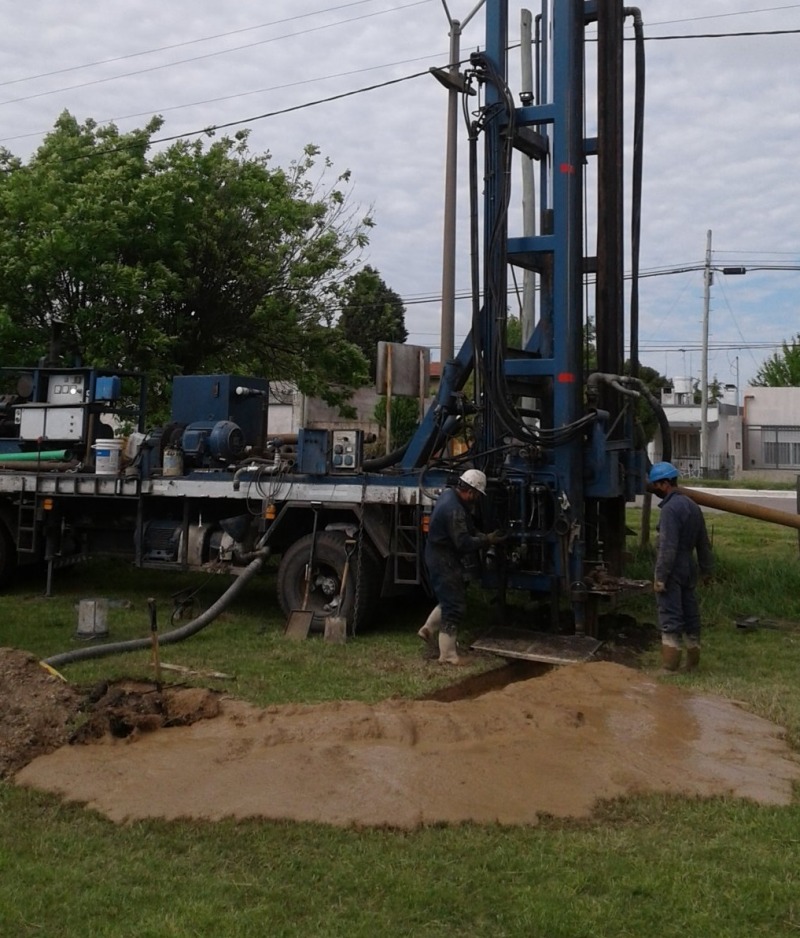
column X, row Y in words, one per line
column 66, row 389
column 346, row 450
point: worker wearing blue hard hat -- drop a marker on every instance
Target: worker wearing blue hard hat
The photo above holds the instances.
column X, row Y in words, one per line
column 681, row 533
column 662, row 470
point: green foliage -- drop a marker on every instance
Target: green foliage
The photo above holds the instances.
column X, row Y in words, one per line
column 371, row 313
column 197, row 258
column 514, row 332
column 781, row 370
column 405, row 418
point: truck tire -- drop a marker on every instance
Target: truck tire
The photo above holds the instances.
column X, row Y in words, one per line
column 326, row 580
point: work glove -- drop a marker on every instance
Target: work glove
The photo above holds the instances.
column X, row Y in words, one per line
column 497, row 537
column 659, row 586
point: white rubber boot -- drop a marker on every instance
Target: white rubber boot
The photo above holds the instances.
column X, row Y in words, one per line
column 432, row 625
column 448, row 651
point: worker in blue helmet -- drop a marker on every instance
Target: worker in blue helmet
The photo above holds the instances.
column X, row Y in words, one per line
column 681, row 533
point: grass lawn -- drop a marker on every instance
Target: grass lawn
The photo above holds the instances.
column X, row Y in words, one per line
column 643, row 866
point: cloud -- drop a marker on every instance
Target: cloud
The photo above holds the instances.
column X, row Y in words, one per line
column 720, row 139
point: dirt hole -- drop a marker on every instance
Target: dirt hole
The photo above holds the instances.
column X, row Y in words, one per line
column 475, row 685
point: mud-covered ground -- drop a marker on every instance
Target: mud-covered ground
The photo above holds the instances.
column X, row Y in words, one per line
column 550, row 742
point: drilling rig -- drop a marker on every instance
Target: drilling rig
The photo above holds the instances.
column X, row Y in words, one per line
column 552, row 424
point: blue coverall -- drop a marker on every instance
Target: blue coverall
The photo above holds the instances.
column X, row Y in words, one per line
column 451, row 536
column 681, row 532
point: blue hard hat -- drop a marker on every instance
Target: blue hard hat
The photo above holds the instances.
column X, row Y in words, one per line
column 662, row 470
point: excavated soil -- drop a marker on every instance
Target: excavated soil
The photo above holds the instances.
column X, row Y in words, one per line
column 552, row 743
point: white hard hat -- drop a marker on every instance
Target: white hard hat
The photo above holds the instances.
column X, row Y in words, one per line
column 475, row 479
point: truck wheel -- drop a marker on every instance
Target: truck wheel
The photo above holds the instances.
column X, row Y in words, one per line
column 326, row 580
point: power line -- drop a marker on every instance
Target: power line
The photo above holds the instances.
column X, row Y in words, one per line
column 187, row 42
column 718, row 16
column 240, row 94
column 207, row 55
column 737, row 35
column 326, row 100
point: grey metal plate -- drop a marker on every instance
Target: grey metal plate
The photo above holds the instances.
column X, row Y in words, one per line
column 537, row 646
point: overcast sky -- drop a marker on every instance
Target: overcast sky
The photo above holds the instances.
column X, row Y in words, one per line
column 721, row 136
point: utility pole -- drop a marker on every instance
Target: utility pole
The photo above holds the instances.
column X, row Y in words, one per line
column 453, row 81
column 447, row 349
column 707, row 278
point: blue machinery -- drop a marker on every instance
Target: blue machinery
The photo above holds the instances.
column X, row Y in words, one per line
column 556, row 441
column 552, row 426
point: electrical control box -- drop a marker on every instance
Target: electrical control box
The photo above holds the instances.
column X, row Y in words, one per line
column 347, row 448
column 312, row 451
column 43, row 422
column 66, row 389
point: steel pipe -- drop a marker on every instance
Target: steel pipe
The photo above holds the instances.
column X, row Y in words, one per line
column 736, row 507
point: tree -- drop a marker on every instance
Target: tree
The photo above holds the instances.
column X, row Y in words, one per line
column 200, row 257
column 371, row 313
column 405, row 418
column 781, row 370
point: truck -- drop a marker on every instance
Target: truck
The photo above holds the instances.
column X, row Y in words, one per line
column 555, row 435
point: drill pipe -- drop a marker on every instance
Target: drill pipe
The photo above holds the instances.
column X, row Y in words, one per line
column 735, row 507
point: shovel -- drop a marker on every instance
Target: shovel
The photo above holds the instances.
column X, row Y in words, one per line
column 299, row 622
column 336, row 626
column 151, row 606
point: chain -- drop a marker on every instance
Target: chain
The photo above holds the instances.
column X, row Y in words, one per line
column 359, row 559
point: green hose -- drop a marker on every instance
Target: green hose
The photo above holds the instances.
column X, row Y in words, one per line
column 45, row 455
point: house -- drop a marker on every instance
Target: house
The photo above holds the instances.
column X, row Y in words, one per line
column 771, row 431
column 684, row 415
column 759, row 437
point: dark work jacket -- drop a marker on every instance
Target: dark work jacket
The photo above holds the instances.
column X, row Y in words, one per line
column 681, row 531
column 452, row 533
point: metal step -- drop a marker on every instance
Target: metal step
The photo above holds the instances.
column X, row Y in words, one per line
column 537, row 646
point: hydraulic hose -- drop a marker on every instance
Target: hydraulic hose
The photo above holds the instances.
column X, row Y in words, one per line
column 168, row 638
column 636, row 185
column 383, row 462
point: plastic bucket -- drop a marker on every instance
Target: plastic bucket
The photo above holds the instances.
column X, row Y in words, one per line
column 106, row 457
column 92, row 619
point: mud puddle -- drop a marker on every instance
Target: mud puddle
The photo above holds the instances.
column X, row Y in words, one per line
column 550, row 744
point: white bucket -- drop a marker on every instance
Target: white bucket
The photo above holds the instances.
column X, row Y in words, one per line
column 106, row 457
column 92, row 619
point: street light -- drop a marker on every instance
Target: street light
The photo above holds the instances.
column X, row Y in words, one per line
column 708, row 279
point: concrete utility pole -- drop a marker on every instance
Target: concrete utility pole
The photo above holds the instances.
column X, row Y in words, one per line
column 455, row 84
column 707, row 278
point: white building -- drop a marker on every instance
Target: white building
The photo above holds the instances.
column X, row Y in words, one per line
column 759, row 435
column 685, row 418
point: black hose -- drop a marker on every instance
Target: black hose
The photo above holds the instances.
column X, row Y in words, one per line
column 636, row 196
column 168, row 638
column 383, row 462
